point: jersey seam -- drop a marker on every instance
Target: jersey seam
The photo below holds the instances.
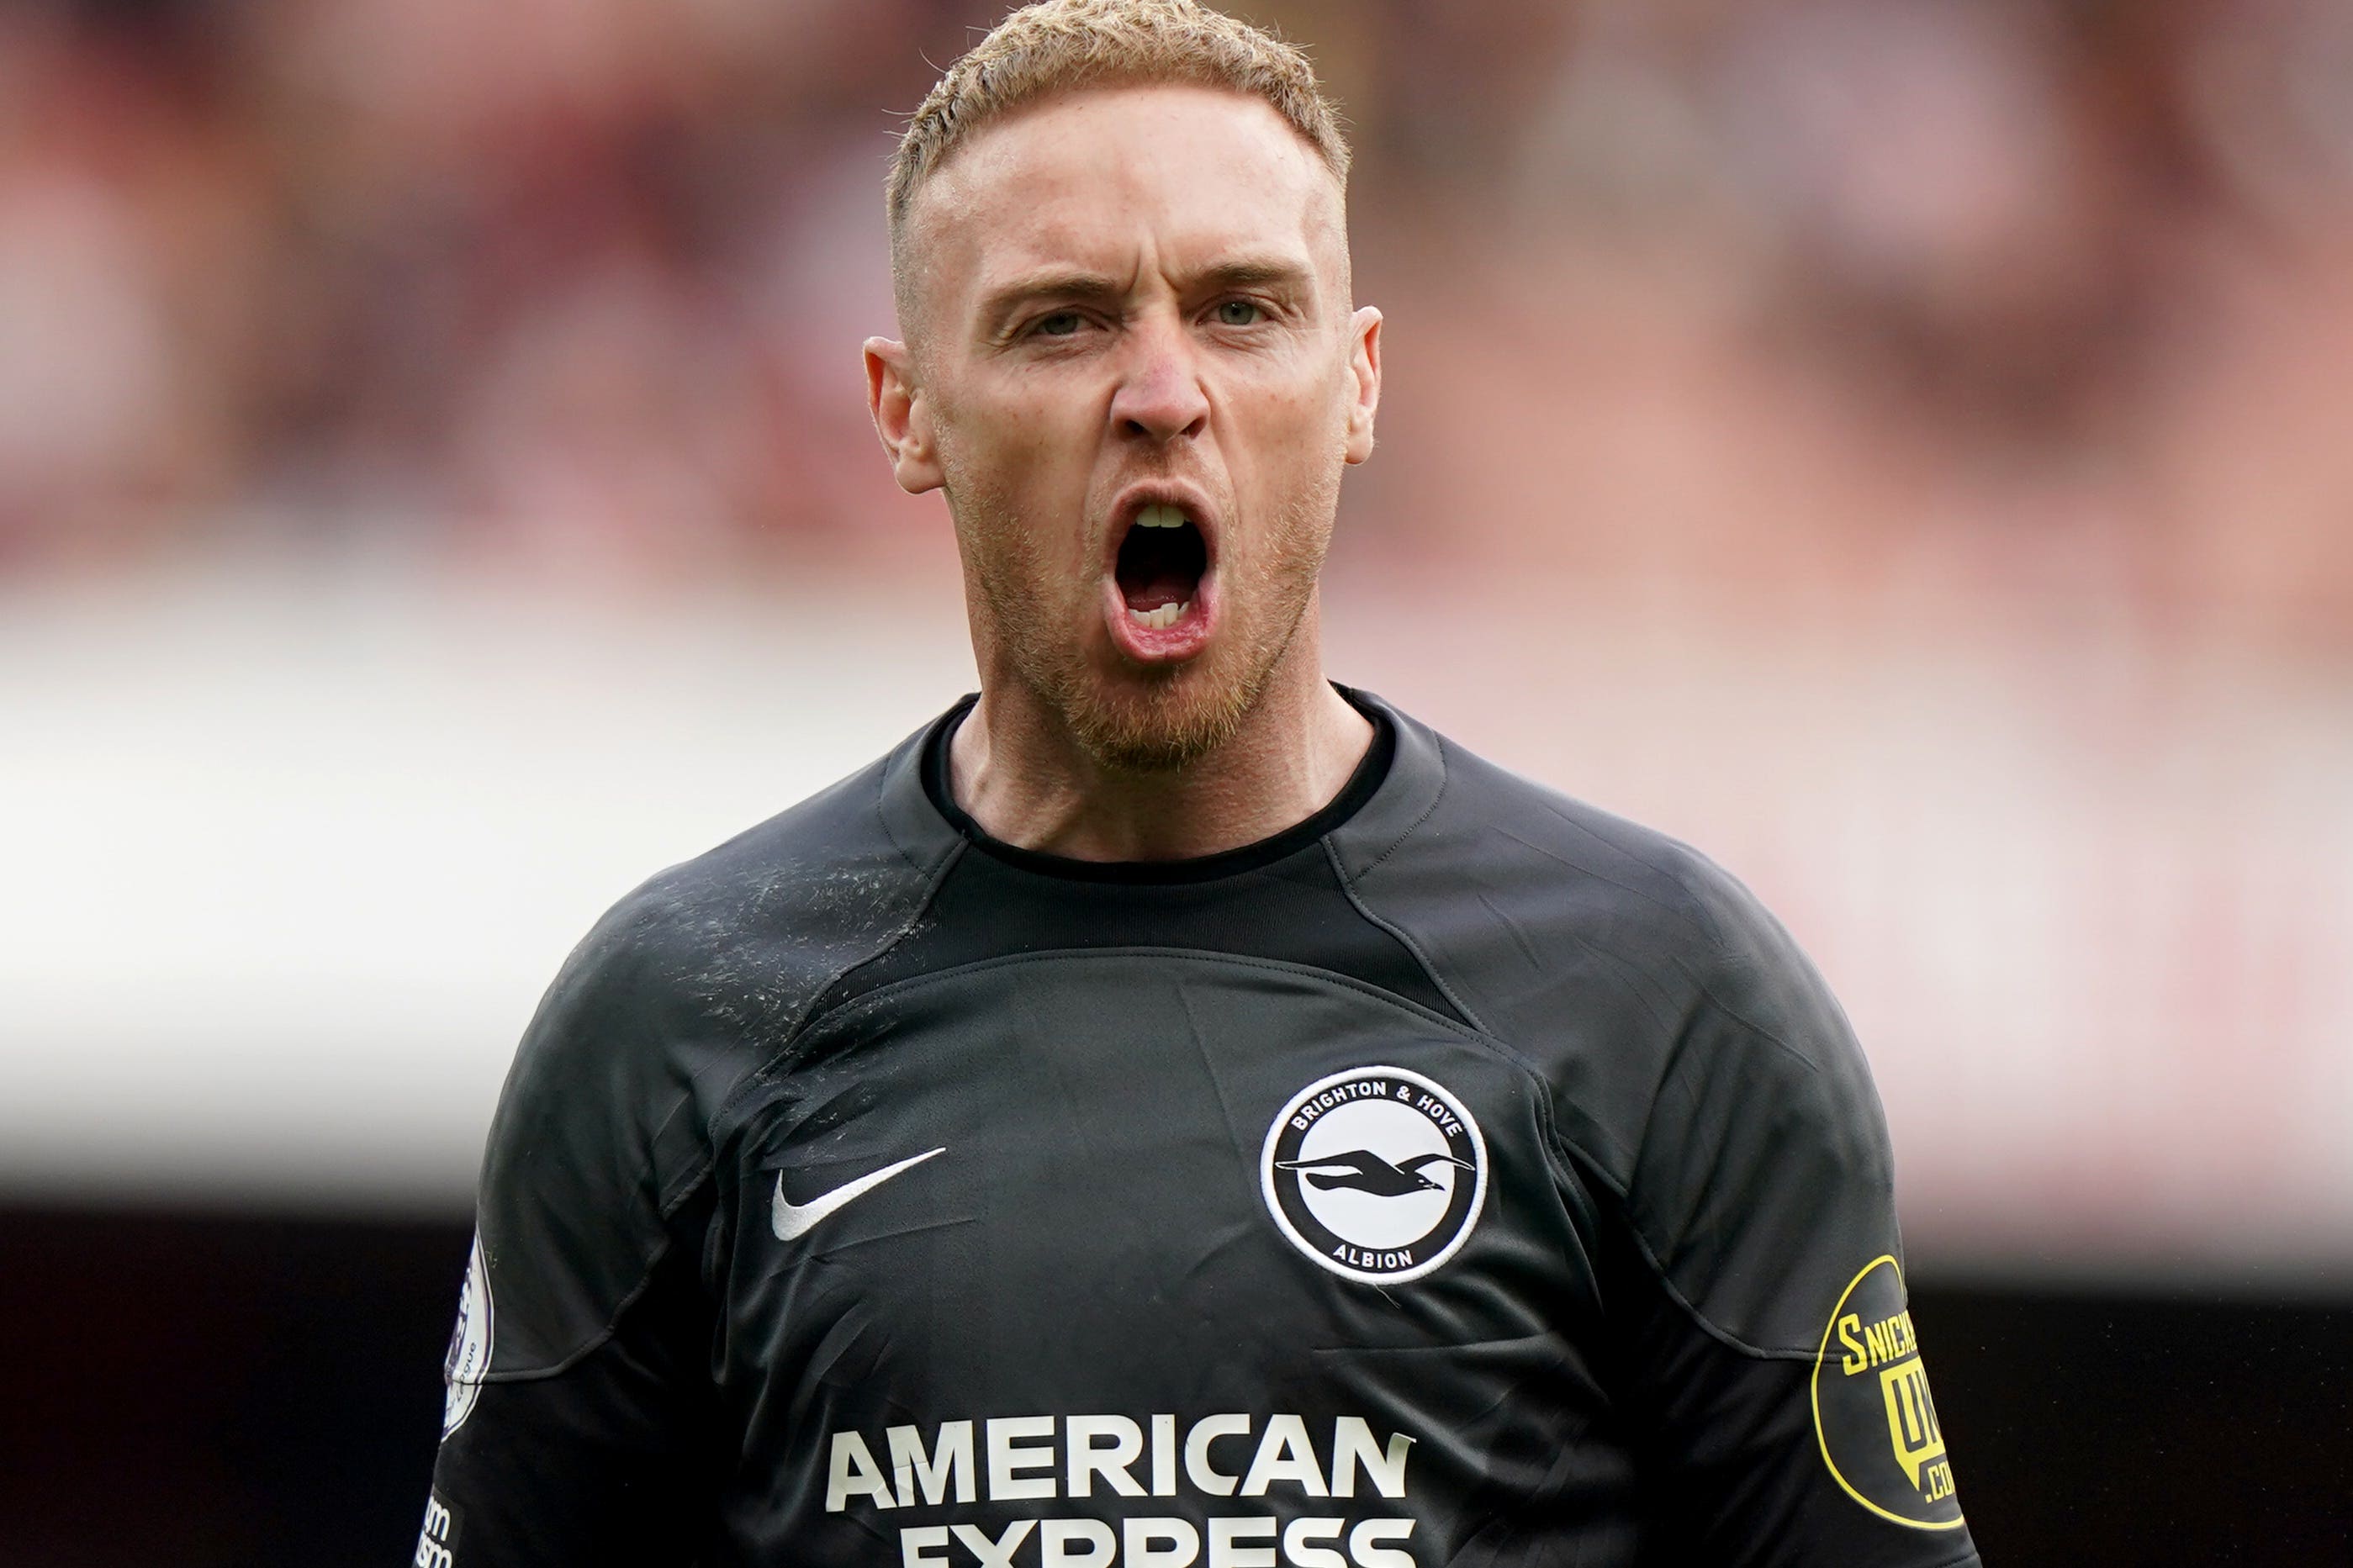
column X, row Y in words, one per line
column 1539, row 1088
column 665, row 1211
column 1711, row 931
column 883, row 817
column 768, row 1065
column 1730, row 1341
column 1504, row 1049
column 1691, row 910
column 1398, row 933
column 761, row 1068
column 1208, row 955
column 605, row 1335
column 1677, row 1048
column 1445, row 778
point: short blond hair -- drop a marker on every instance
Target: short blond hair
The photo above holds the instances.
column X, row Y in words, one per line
column 1057, row 46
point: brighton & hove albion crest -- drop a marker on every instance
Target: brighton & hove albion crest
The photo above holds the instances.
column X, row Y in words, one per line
column 469, row 1344
column 1377, row 1174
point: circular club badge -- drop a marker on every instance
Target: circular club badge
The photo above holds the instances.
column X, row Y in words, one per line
column 1873, row 1414
column 469, row 1344
column 1377, row 1174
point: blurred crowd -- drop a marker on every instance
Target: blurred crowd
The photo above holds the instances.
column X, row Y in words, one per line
column 2050, row 299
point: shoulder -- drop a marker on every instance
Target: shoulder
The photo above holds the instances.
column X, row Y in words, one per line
column 1665, row 911
column 1695, row 1063
column 740, row 932
column 682, row 990
column 1621, row 961
column 1656, row 887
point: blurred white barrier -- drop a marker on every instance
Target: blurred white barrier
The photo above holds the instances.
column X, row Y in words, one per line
column 288, row 860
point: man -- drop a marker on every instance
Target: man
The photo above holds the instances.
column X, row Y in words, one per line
column 1173, row 1111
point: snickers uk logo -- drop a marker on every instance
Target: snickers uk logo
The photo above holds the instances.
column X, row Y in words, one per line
column 1239, row 1490
column 1873, row 1414
column 1377, row 1174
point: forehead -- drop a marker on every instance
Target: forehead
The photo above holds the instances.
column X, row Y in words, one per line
column 1089, row 178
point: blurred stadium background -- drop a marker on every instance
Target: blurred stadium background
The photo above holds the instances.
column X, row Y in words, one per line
column 1904, row 447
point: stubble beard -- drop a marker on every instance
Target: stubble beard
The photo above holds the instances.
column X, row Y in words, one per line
column 1155, row 721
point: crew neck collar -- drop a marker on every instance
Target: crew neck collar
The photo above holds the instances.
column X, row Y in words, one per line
column 1363, row 784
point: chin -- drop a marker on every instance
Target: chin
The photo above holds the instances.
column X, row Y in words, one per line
column 1161, row 724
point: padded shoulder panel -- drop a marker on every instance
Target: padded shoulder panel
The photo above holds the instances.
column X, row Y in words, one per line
column 1697, row 1062
column 686, row 986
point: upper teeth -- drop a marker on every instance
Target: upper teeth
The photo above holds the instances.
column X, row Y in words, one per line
column 1159, row 516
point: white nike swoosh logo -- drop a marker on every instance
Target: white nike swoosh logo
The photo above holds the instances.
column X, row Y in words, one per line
column 795, row 1220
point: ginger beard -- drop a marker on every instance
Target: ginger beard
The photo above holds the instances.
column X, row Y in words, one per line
column 1033, row 600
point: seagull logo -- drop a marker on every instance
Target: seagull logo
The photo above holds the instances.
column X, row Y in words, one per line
column 1369, row 1172
column 1377, row 1174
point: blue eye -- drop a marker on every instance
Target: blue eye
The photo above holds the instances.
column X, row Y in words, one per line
column 1239, row 313
column 1060, row 324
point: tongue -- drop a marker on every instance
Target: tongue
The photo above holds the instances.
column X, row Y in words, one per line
column 1152, row 593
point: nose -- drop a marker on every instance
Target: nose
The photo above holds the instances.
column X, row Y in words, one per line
column 1159, row 398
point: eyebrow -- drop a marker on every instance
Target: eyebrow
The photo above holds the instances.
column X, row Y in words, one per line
column 1252, row 272
column 1001, row 305
column 1076, row 284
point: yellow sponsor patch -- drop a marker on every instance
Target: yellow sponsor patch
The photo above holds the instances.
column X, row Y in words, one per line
column 1873, row 1413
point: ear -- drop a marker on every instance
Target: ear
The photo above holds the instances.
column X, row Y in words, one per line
column 902, row 417
column 1364, row 361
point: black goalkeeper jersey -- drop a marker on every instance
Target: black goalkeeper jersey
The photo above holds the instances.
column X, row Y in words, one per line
column 1462, row 1176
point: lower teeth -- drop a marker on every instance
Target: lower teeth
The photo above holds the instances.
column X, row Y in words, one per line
column 1167, row 616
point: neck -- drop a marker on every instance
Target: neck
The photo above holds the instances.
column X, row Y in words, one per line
column 1015, row 768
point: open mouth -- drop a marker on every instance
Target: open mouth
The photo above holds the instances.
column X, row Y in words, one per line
column 1161, row 563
